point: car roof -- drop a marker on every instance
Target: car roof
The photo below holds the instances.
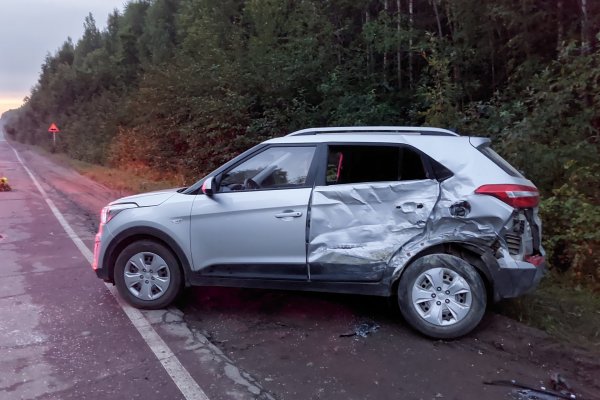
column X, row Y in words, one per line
column 369, row 134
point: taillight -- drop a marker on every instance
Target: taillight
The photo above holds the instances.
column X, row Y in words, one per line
column 535, row 260
column 517, row 196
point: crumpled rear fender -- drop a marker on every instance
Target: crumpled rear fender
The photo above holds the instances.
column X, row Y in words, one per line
column 485, row 261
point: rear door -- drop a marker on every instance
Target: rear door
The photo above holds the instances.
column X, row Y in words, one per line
column 372, row 201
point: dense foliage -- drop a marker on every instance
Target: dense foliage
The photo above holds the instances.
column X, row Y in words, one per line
column 179, row 86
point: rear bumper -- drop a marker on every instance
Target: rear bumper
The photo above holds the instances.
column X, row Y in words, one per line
column 516, row 278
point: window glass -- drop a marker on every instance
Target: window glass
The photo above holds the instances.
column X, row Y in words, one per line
column 499, row 161
column 354, row 164
column 439, row 171
column 276, row 167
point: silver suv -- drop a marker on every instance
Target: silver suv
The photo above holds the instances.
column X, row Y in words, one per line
column 439, row 220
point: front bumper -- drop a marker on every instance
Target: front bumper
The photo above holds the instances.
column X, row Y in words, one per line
column 102, row 273
column 516, row 278
column 101, row 240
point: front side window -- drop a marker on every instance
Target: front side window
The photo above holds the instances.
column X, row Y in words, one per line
column 355, row 164
column 274, row 168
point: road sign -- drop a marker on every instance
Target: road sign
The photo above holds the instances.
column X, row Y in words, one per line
column 53, row 128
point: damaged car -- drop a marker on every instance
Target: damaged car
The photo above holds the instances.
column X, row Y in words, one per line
column 437, row 220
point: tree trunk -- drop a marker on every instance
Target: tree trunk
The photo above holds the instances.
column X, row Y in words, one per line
column 453, row 27
column 385, row 55
column 493, row 60
column 411, row 22
column 368, row 46
column 585, row 34
column 437, row 17
column 398, row 46
column 560, row 30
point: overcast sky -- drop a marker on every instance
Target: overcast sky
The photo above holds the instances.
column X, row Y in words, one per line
column 29, row 29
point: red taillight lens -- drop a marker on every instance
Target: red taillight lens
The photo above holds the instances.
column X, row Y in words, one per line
column 535, row 260
column 517, row 196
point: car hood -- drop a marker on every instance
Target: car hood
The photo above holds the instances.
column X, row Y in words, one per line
column 147, row 199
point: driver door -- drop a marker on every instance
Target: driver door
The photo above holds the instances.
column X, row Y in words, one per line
column 254, row 226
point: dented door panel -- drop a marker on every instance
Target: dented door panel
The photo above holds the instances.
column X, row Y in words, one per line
column 355, row 229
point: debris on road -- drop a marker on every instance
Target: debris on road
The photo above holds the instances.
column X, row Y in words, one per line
column 4, row 186
column 559, row 383
column 527, row 392
column 362, row 329
column 498, row 345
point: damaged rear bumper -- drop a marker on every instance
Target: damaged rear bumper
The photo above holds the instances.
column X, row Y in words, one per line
column 515, row 278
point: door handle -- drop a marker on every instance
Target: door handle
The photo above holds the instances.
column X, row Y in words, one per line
column 289, row 214
column 417, row 205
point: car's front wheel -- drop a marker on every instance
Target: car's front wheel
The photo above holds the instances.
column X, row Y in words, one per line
column 147, row 275
column 442, row 296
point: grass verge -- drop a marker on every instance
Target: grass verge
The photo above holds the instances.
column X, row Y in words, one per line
column 124, row 180
column 562, row 308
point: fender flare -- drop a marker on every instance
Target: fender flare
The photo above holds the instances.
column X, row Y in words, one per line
column 487, row 266
column 130, row 235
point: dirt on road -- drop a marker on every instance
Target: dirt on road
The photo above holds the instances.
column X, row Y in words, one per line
column 296, row 344
column 300, row 345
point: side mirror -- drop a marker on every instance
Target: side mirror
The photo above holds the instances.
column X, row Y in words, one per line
column 208, row 185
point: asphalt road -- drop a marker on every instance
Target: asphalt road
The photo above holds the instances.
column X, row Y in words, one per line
column 64, row 335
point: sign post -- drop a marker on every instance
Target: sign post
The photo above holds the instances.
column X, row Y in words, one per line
column 54, row 130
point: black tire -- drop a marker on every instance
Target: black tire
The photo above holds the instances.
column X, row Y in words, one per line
column 150, row 249
column 444, row 264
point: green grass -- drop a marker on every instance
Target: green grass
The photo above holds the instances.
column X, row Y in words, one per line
column 562, row 308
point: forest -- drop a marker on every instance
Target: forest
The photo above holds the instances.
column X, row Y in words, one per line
column 180, row 86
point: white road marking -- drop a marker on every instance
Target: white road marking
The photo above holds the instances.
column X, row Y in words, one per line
column 180, row 376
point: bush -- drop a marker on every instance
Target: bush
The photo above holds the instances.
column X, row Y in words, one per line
column 572, row 216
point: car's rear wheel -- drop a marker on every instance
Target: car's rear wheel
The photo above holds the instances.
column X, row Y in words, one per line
column 147, row 275
column 442, row 296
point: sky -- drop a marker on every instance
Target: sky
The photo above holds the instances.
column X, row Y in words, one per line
column 30, row 29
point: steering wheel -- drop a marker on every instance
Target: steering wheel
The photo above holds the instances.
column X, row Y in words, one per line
column 250, row 184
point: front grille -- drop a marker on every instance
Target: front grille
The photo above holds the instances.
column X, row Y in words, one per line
column 513, row 242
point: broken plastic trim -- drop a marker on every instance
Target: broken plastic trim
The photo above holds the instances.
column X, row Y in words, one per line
column 362, row 330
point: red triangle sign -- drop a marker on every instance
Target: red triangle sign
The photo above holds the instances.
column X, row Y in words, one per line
column 53, row 128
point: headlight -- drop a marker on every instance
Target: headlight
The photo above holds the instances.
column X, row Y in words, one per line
column 109, row 212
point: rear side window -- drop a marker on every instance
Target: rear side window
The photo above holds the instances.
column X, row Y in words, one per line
column 355, row 164
column 441, row 173
column 499, row 161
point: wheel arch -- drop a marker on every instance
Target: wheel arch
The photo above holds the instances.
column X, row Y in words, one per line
column 477, row 255
column 135, row 234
